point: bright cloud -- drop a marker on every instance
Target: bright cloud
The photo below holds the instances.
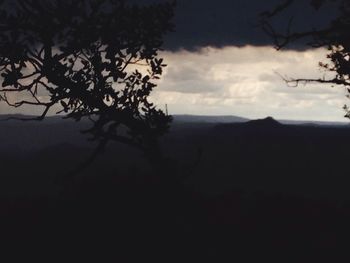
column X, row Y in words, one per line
column 247, row 82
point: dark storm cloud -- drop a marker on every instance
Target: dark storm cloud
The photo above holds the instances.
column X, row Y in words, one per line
column 219, row 23
column 235, row 22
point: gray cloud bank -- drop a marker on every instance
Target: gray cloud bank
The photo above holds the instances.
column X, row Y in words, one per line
column 220, row 23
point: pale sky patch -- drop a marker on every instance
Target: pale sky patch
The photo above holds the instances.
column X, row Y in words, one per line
column 247, row 82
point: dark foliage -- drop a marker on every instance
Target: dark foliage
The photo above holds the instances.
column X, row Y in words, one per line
column 95, row 59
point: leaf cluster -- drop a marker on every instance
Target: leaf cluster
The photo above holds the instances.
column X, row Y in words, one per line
column 96, row 59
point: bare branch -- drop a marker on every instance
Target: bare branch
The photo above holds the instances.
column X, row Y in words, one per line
column 278, row 9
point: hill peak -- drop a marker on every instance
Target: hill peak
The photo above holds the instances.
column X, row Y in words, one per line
column 268, row 121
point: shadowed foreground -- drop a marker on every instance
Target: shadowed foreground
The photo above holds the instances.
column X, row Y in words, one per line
column 252, row 191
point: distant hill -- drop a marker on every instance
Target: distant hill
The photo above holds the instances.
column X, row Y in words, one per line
column 17, row 136
column 314, row 123
column 260, row 127
column 209, row 119
column 266, row 122
column 236, row 119
column 263, row 153
column 188, row 118
column 18, row 118
column 23, row 136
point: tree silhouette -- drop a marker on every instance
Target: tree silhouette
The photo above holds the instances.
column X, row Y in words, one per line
column 95, row 59
column 335, row 37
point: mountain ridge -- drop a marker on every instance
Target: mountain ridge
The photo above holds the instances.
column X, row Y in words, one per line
column 192, row 118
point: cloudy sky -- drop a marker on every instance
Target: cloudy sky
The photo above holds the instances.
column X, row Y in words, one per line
column 221, row 63
column 246, row 81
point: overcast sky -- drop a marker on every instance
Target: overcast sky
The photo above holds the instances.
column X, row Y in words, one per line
column 221, row 63
column 246, row 81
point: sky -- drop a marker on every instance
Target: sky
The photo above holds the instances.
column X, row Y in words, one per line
column 221, row 63
column 247, row 81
